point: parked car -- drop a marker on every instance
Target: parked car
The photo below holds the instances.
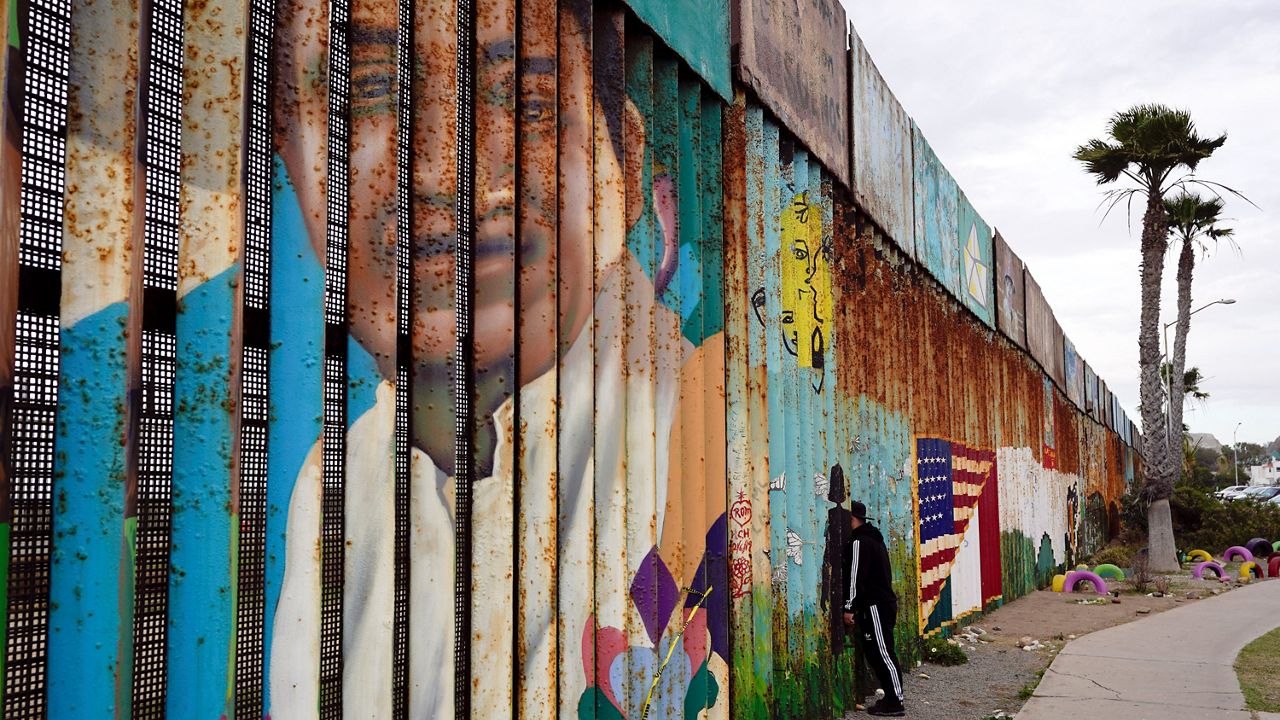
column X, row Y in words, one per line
column 1230, row 492
column 1260, row 494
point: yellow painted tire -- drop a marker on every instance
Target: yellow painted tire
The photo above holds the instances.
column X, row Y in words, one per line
column 1250, row 570
column 1201, row 555
column 1058, row 582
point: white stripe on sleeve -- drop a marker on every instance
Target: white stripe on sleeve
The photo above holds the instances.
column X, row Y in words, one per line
column 853, row 575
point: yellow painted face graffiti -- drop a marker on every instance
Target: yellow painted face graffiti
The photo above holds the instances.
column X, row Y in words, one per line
column 806, row 283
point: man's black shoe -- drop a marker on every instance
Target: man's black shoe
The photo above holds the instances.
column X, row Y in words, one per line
column 884, row 708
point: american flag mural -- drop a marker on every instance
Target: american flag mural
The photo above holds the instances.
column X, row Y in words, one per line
column 959, row 530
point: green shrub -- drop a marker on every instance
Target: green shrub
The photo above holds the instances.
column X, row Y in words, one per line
column 1119, row 555
column 940, row 652
column 1202, row 521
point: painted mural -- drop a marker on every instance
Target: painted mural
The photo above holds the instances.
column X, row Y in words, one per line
column 1011, row 297
column 598, row 466
column 977, row 262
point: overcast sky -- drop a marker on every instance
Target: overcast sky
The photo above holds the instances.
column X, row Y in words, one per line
column 1005, row 91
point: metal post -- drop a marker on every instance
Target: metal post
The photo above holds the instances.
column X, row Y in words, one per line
column 1235, row 449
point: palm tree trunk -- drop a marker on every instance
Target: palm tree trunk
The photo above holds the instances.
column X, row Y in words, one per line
column 1178, row 363
column 1155, row 447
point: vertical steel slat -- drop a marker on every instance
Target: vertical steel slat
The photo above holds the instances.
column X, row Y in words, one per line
column 250, row 454
column 536, row 487
column 464, row 365
column 400, row 660
column 30, row 418
column 151, row 414
column 575, row 588
column 334, row 433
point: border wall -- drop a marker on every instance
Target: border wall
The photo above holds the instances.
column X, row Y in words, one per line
column 396, row 359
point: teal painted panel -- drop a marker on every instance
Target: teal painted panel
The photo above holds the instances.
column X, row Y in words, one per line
column 977, row 262
column 698, row 31
column 201, row 613
column 937, row 201
column 86, row 605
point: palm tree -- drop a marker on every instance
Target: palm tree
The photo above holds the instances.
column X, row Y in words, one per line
column 1150, row 145
column 1194, row 221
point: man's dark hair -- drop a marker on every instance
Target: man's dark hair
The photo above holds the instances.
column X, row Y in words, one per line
column 608, row 60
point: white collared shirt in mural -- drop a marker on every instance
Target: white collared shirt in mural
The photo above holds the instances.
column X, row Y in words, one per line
column 641, row 609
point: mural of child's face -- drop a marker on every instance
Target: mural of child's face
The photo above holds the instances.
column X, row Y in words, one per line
column 302, row 112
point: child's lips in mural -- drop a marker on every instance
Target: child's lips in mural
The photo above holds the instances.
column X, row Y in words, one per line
column 494, row 247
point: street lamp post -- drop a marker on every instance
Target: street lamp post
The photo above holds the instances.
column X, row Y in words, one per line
column 1235, row 449
column 1168, row 362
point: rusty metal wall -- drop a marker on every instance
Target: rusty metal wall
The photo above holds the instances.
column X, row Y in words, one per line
column 1011, row 294
column 1040, row 324
column 792, row 56
column 882, row 164
column 545, row 392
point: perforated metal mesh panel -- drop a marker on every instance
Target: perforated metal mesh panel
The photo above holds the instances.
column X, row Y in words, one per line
column 404, row 357
column 254, row 377
column 152, row 411
column 333, row 444
column 46, row 47
column 464, row 377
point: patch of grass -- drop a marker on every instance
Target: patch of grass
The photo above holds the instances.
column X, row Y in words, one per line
column 940, row 652
column 1030, row 688
column 1255, row 667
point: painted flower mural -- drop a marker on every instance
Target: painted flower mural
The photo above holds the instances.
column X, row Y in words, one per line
column 666, row 669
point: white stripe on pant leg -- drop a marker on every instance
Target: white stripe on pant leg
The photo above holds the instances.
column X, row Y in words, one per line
column 884, row 653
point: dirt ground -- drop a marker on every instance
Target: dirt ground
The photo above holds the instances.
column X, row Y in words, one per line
column 998, row 669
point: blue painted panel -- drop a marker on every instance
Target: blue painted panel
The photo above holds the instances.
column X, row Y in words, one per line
column 937, row 200
column 85, row 604
column 201, row 613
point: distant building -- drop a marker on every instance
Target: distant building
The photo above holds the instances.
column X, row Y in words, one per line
column 1267, row 473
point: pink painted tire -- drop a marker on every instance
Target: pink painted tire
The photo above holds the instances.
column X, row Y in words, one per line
column 1075, row 577
column 1260, row 548
column 1273, row 566
column 1235, row 552
column 1198, row 571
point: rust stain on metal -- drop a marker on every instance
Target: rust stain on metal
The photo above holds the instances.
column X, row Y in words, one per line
column 792, row 55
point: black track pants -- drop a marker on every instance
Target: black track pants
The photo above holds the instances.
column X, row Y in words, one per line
column 875, row 628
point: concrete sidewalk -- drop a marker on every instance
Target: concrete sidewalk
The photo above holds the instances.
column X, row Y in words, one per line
column 1173, row 666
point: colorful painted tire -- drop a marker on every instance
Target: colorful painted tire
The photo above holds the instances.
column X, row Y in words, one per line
column 1082, row 567
column 1275, row 546
column 1250, row 569
column 1273, row 566
column 1107, row 570
column 1200, row 555
column 1075, row 577
column 1060, row 580
column 1260, row 548
column 1235, row 552
column 1199, row 570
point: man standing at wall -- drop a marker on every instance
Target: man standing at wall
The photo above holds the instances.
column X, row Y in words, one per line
column 872, row 607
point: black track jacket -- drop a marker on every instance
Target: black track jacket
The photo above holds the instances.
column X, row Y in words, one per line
column 870, row 578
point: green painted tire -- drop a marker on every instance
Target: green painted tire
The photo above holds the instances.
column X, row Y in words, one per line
column 1107, row 570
